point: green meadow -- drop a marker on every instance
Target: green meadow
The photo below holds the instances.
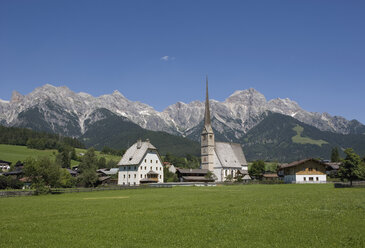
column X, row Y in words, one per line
column 221, row 216
column 13, row 153
column 305, row 140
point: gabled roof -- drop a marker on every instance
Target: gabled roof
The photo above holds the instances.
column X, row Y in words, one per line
column 192, row 171
column 230, row 154
column 135, row 153
column 295, row 163
column 106, row 171
column 334, row 165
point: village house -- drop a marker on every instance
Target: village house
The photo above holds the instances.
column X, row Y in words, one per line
column 193, row 175
column 304, row 171
column 4, row 165
column 170, row 167
column 140, row 164
column 222, row 158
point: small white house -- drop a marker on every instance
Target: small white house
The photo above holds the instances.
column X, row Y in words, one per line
column 140, row 164
column 304, row 171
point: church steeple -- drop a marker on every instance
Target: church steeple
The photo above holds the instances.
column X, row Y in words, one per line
column 207, row 124
column 207, row 137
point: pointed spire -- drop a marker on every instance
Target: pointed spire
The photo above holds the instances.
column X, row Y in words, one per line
column 207, row 110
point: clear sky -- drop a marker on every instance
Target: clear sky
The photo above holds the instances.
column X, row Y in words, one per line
column 158, row 52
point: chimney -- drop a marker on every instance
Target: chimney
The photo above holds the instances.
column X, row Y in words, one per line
column 139, row 143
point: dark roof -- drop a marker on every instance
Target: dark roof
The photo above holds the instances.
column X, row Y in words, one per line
column 147, row 180
column 271, row 175
column 295, row 163
column 72, row 172
column 334, row 166
column 11, row 173
column 152, row 173
column 243, row 172
column 5, row 162
column 101, row 179
column 192, row 171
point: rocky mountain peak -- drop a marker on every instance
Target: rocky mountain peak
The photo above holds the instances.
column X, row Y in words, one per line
column 249, row 96
column 16, row 97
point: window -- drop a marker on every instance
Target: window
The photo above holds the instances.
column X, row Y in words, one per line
column 129, row 176
column 151, row 168
column 141, row 176
column 156, row 161
column 123, row 183
column 135, row 176
column 156, row 168
column 160, row 176
column 123, row 176
column 311, row 179
column 310, row 169
column 134, row 183
column 151, row 161
column 145, row 160
column 160, row 168
column 305, row 179
column 145, row 167
column 317, row 179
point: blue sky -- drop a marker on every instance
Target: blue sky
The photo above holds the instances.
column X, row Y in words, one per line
column 312, row 52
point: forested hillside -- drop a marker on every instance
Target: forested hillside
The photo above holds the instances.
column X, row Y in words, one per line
column 34, row 139
column 284, row 139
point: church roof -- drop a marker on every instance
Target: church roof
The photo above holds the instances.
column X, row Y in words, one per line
column 230, row 154
column 135, row 153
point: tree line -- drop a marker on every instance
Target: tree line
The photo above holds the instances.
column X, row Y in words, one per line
column 36, row 140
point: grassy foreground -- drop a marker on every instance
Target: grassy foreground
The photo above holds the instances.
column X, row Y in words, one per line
column 222, row 216
column 13, row 153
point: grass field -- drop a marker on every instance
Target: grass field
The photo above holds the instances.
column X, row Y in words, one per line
column 305, row 140
column 14, row 153
column 221, row 216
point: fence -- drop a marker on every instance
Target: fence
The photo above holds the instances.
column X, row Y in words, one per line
column 355, row 184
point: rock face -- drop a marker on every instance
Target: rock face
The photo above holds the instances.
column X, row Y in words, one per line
column 60, row 110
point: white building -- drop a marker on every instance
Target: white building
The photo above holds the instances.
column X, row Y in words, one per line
column 141, row 163
column 304, row 171
column 222, row 158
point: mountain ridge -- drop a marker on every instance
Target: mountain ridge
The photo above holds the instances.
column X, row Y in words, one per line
column 239, row 112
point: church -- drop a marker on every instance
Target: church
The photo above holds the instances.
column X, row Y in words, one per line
column 222, row 158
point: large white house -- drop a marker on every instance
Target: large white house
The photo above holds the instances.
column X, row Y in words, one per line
column 141, row 163
column 221, row 158
column 304, row 171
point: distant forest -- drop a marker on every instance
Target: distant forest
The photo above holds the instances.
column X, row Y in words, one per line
column 36, row 140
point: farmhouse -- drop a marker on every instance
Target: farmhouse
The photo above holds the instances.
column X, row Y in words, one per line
column 141, row 163
column 4, row 165
column 304, row 171
column 222, row 158
column 192, row 175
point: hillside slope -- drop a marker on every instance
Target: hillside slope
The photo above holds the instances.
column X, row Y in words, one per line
column 118, row 132
column 284, row 139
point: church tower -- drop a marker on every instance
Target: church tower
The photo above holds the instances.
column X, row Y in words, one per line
column 207, row 138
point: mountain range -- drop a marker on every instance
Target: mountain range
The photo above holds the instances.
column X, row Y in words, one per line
column 60, row 110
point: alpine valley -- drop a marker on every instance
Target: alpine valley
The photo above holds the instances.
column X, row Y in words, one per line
column 277, row 129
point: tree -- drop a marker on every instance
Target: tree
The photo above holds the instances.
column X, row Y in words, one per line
column 66, row 180
column 87, row 168
column 229, row 178
column 257, row 169
column 43, row 173
column 335, row 156
column 111, row 164
column 349, row 168
column 102, row 163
